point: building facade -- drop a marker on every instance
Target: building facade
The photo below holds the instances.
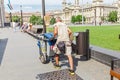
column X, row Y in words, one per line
column 26, row 15
column 93, row 12
column 119, row 11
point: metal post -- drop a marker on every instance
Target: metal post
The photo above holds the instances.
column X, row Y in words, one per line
column 43, row 12
column 82, row 13
column 44, row 25
column 95, row 17
column 112, row 68
column 10, row 17
column 21, row 15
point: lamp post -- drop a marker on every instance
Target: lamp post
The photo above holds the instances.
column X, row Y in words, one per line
column 95, row 16
column 44, row 25
column 10, row 17
column 82, row 13
column 43, row 12
column 21, row 15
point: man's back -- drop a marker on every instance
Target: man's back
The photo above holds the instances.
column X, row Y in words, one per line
column 62, row 31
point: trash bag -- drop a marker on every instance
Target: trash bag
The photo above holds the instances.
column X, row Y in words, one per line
column 61, row 46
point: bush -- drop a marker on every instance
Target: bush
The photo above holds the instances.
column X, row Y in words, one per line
column 112, row 16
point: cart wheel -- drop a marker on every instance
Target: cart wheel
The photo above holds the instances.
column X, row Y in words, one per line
column 44, row 59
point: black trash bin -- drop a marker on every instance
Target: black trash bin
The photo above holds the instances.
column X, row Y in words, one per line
column 82, row 44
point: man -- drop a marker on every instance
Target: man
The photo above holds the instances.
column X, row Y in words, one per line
column 62, row 32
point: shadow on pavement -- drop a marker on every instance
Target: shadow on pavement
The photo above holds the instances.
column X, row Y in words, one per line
column 64, row 60
column 77, row 59
column 3, row 43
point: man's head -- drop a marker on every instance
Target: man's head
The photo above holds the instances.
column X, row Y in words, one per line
column 58, row 19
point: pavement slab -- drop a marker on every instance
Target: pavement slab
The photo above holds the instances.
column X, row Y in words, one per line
column 19, row 60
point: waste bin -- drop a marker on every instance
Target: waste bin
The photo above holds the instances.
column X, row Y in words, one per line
column 82, row 44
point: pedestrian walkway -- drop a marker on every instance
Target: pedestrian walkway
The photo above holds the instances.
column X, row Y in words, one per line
column 19, row 60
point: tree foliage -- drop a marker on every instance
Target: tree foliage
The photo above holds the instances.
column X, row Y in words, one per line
column 112, row 17
column 52, row 20
column 36, row 20
column 103, row 18
column 15, row 19
column 73, row 19
column 77, row 18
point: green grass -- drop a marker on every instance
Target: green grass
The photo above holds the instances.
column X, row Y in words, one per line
column 103, row 36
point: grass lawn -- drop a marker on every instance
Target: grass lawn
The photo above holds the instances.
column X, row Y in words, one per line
column 103, row 36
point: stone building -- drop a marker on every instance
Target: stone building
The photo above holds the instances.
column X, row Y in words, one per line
column 119, row 11
column 26, row 15
column 93, row 12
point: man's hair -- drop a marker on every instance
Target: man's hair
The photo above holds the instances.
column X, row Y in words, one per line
column 58, row 19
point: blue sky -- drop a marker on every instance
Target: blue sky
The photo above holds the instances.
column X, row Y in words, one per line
column 50, row 4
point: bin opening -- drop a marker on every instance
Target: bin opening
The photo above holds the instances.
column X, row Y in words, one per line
column 37, row 29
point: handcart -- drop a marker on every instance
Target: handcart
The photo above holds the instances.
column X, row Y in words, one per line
column 45, row 45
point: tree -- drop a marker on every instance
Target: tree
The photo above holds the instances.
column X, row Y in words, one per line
column 73, row 19
column 84, row 19
column 112, row 17
column 103, row 18
column 33, row 19
column 79, row 18
column 52, row 20
column 15, row 19
column 39, row 20
column 36, row 20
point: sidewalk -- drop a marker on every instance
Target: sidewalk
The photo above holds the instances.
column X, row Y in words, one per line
column 19, row 60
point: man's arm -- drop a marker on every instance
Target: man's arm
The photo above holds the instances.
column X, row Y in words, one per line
column 55, row 31
column 69, row 31
column 70, row 35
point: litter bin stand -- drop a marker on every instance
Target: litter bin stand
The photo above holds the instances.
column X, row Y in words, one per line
column 82, row 44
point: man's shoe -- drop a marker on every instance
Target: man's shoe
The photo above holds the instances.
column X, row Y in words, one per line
column 57, row 66
column 71, row 72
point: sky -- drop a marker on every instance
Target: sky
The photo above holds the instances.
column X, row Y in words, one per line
column 50, row 4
